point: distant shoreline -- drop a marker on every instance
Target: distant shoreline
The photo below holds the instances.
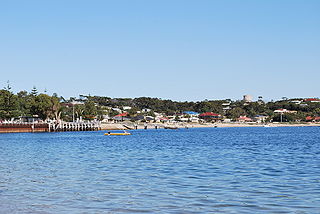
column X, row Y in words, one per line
column 120, row 126
column 270, row 125
column 126, row 126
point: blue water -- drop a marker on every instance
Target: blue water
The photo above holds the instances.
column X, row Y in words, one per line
column 209, row 170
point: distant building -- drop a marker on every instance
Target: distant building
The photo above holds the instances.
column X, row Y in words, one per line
column 243, row 119
column 27, row 119
column 309, row 118
column 226, row 104
column 312, row 119
column 296, row 101
column 138, row 118
column 77, row 103
column 191, row 113
column 116, row 109
column 164, row 119
column 226, row 108
column 312, row 100
column 303, row 104
column 247, row 98
column 260, row 118
column 149, row 118
column 73, row 103
column 126, row 107
column 227, row 120
column 209, row 116
column 283, row 110
column 145, row 110
column 106, row 118
column 121, row 117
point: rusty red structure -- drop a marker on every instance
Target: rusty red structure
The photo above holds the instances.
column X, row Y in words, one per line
column 15, row 128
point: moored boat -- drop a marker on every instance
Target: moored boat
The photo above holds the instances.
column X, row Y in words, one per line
column 170, row 127
column 116, row 133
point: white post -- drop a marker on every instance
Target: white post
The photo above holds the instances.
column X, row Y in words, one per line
column 72, row 112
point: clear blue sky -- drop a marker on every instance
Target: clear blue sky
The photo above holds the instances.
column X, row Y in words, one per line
column 171, row 49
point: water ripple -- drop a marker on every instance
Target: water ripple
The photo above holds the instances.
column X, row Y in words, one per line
column 225, row 170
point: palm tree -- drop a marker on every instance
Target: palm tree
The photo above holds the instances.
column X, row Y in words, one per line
column 56, row 108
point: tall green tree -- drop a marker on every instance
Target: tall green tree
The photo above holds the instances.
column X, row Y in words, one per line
column 8, row 103
column 56, row 107
column 43, row 106
column 236, row 112
column 90, row 109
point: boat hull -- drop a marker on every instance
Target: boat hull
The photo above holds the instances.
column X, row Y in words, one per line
column 116, row 134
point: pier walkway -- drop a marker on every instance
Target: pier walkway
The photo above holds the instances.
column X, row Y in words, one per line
column 74, row 126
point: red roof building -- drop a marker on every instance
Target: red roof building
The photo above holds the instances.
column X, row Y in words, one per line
column 309, row 118
column 122, row 115
column 312, row 100
column 317, row 118
column 210, row 116
column 164, row 119
column 244, row 119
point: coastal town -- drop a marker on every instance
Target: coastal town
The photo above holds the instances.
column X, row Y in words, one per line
column 168, row 106
column 29, row 111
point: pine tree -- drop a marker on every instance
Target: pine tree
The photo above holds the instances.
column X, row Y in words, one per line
column 34, row 91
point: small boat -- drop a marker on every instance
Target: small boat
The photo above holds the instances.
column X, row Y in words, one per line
column 170, row 127
column 116, row 133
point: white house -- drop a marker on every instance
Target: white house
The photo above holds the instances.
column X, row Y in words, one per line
column 283, row 110
column 126, row 107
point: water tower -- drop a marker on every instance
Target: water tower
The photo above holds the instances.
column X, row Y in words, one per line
column 247, row 98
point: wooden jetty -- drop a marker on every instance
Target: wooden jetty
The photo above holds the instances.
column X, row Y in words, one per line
column 75, row 126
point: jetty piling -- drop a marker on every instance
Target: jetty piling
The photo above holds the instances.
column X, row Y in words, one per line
column 76, row 126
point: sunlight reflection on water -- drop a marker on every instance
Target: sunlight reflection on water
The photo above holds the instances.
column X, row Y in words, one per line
column 224, row 170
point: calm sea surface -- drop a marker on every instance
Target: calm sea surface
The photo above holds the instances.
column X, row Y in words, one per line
column 209, row 170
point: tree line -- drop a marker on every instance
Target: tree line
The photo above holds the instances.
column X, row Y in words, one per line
column 46, row 106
